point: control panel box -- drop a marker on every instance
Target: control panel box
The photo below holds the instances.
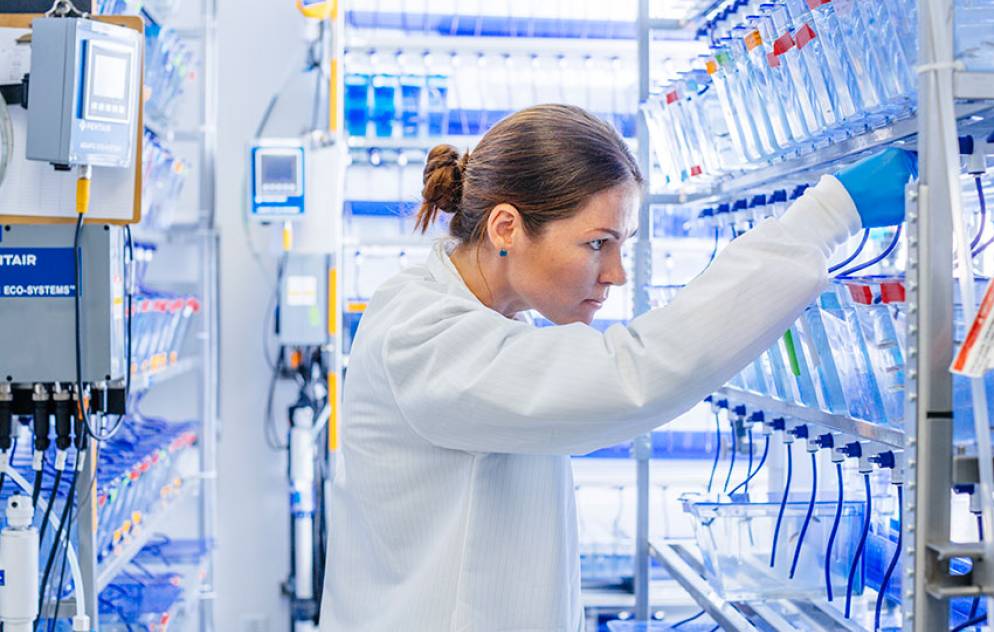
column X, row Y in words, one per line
column 84, row 93
column 37, row 303
column 304, row 293
column 278, row 180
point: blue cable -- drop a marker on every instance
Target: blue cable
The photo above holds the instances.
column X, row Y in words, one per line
column 731, row 463
column 762, row 461
column 783, row 505
column 831, row 536
column 862, row 543
column 883, row 255
column 970, row 623
column 807, row 516
column 893, row 560
column 852, row 257
column 983, row 213
column 749, row 468
column 714, row 251
column 983, row 207
column 980, row 537
column 688, row 619
column 717, row 451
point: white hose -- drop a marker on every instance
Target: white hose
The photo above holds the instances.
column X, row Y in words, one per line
column 77, row 575
column 950, row 150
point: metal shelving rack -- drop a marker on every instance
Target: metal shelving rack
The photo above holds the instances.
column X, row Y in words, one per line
column 932, row 465
column 203, row 236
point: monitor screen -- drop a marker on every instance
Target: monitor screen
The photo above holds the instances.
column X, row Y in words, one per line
column 279, row 170
column 110, row 76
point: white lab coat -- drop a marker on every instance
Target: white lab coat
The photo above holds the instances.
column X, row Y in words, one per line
column 453, row 506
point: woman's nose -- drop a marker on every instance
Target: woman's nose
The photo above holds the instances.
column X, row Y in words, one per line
column 614, row 271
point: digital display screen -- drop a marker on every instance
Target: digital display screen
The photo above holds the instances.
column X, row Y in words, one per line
column 279, row 170
column 110, row 77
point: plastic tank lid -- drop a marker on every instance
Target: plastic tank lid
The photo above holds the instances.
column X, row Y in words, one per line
column 724, row 207
column 708, row 212
column 798, row 191
column 767, row 5
column 741, row 205
column 757, row 200
column 780, row 195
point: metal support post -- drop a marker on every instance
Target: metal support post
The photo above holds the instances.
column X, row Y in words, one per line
column 642, row 447
column 930, row 330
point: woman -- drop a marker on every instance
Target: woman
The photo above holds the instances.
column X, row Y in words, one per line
column 453, row 504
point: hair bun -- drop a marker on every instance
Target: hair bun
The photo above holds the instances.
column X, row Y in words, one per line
column 443, row 178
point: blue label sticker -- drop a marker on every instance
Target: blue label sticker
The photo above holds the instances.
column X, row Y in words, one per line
column 37, row 273
column 3, row 578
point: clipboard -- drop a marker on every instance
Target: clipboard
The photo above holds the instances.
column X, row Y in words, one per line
column 34, row 193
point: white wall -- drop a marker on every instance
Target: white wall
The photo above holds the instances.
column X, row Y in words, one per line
column 257, row 41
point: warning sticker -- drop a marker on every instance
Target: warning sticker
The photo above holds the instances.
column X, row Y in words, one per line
column 977, row 353
column 301, row 291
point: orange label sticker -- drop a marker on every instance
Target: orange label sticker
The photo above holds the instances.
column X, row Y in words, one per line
column 711, row 66
column 752, row 40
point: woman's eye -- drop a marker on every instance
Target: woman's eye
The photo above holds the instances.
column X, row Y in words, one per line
column 596, row 244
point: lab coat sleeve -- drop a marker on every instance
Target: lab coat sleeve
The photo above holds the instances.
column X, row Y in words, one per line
column 470, row 379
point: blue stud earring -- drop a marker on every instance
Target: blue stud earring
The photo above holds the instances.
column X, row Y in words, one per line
column 503, row 252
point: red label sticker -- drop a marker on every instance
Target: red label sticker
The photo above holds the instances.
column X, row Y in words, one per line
column 696, row 170
column 672, row 97
column 783, row 44
column 814, row 4
column 892, row 292
column 804, row 35
column 772, row 60
column 860, row 293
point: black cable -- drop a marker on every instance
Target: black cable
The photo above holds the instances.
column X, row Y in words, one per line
column 55, row 544
column 48, row 509
column 62, row 576
column 3, row 474
column 129, row 296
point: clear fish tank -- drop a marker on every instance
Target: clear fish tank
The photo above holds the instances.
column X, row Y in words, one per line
column 736, row 540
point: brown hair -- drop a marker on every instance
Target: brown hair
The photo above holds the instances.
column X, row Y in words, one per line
column 546, row 161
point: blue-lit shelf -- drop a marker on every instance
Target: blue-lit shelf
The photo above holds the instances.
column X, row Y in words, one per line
column 886, row 435
column 492, row 25
column 811, row 161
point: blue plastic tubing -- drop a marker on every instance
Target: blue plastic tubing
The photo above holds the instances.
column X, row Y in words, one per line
column 807, row 516
column 860, row 546
column 762, row 462
column 717, row 450
column 834, row 532
column 893, row 561
column 783, row 505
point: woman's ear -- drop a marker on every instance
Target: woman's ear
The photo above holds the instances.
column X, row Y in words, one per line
column 504, row 227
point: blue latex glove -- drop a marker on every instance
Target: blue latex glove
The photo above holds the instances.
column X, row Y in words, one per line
column 876, row 185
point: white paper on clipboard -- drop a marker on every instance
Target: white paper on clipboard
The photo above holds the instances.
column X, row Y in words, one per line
column 15, row 59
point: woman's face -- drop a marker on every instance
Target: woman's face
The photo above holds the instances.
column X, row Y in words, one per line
column 566, row 271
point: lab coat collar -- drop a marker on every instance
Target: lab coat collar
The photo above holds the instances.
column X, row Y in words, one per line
column 442, row 269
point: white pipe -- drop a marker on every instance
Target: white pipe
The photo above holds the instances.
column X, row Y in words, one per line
column 77, row 575
column 936, row 25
